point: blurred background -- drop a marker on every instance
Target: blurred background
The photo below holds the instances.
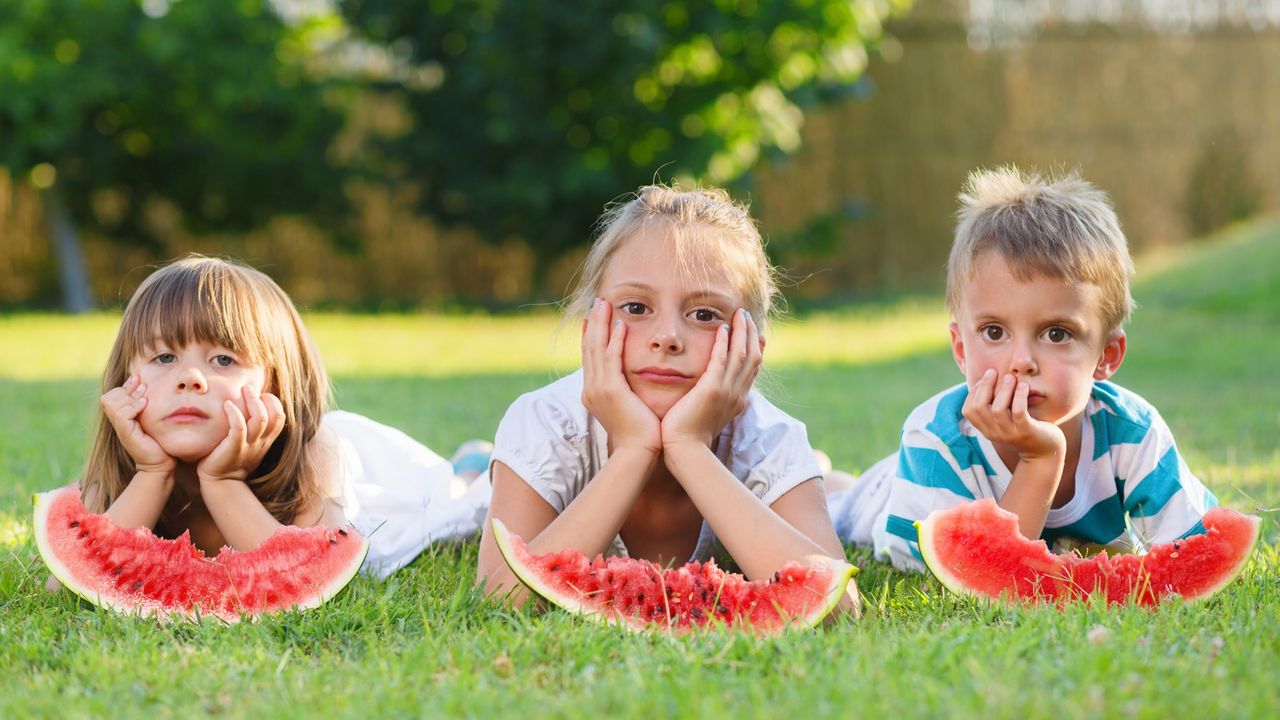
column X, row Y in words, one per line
column 402, row 154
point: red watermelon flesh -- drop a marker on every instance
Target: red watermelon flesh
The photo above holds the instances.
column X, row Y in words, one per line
column 976, row 549
column 640, row 595
column 136, row 572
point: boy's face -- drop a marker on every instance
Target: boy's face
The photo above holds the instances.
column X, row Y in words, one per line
column 1044, row 330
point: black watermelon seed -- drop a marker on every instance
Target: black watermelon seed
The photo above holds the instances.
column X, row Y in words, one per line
column 118, row 570
column 74, row 523
column 137, row 584
column 342, row 532
column 332, row 541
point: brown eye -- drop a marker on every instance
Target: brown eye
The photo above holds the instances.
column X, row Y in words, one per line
column 704, row 315
column 1057, row 335
column 633, row 308
column 993, row 332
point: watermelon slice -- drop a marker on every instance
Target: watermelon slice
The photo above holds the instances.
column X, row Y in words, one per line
column 136, row 572
column 976, row 549
column 640, row 595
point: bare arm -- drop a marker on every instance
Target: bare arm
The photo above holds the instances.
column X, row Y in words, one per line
column 999, row 412
column 239, row 515
column 589, row 523
column 144, row 498
column 592, row 519
column 760, row 538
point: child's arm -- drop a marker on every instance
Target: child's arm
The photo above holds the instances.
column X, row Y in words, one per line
column 760, row 538
column 999, row 412
column 239, row 515
column 588, row 524
column 144, row 498
column 591, row 520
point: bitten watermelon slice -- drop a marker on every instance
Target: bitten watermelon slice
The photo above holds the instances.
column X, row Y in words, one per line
column 976, row 549
column 640, row 595
column 136, row 572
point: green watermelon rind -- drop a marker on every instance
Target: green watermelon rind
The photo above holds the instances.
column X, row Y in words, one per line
column 45, row 502
column 842, row 574
column 929, row 552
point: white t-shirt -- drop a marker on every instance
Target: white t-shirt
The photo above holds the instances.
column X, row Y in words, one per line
column 550, row 440
column 399, row 494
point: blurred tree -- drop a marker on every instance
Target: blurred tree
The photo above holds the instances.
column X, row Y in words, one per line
column 529, row 116
column 106, row 105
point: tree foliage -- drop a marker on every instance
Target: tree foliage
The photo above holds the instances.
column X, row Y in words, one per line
column 205, row 104
column 528, row 116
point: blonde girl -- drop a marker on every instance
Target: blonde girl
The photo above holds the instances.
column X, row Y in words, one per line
column 658, row 447
column 213, row 422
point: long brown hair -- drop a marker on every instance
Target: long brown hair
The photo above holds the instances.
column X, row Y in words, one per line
column 202, row 299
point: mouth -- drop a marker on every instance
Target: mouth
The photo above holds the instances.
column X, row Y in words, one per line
column 661, row 376
column 187, row 415
column 1035, row 398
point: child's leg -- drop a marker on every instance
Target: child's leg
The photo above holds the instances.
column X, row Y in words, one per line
column 855, row 502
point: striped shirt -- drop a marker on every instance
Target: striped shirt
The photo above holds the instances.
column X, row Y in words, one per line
column 1132, row 489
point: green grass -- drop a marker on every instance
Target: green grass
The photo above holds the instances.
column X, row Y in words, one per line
column 1203, row 348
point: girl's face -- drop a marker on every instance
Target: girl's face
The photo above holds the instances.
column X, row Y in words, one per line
column 185, row 390
column 671, row 316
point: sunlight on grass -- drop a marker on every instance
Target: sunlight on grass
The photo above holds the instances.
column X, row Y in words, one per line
column 59, row 347
column 13, row 532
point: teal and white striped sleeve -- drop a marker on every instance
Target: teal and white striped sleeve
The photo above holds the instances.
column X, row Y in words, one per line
column 932, row 474
column 1163, row 500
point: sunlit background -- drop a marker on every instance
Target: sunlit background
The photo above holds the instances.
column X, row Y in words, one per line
column 446, row 154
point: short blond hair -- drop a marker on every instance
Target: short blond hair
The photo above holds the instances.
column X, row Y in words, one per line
column 708, row 228
column 1061, row 227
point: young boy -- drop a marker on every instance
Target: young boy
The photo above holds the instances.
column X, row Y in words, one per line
column 1038, row 288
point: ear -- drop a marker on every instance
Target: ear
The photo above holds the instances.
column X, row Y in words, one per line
column 957, row 345
column 762, row 343
column 1112, row 356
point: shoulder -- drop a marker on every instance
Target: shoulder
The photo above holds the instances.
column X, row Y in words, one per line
column 762, row 422
column 556, row 406
column 941, row 415
column 1121, row 403
column 324, row 478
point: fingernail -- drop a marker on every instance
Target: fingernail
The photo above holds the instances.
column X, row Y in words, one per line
column 617, row 322
column 747, row 314
column 725, row 327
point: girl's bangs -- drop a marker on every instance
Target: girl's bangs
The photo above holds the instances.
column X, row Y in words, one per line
column 197, row 306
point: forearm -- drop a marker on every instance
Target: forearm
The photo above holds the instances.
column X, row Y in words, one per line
column 1030, row 492
column 592, row 520
column 759, row 540
column 239, row 515
column 588, row 524
column 142, row 501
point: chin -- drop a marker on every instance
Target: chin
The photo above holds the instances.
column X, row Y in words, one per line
column 660, row 403
column 188, row 451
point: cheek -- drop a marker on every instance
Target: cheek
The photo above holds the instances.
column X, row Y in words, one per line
column 700, row 345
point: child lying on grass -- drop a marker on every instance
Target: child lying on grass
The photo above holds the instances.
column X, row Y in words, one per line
column 1038, row 288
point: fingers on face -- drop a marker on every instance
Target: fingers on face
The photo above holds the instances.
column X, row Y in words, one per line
column 1004, row 393
column 275, row 415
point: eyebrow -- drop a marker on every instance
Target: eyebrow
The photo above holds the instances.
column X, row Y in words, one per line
column 726, row 300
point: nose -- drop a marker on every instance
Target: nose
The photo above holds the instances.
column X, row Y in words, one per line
column 1023, row 360
column 667, row 336
column 190, row 378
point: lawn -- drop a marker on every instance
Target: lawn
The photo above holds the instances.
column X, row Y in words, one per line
column 1203, row 348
